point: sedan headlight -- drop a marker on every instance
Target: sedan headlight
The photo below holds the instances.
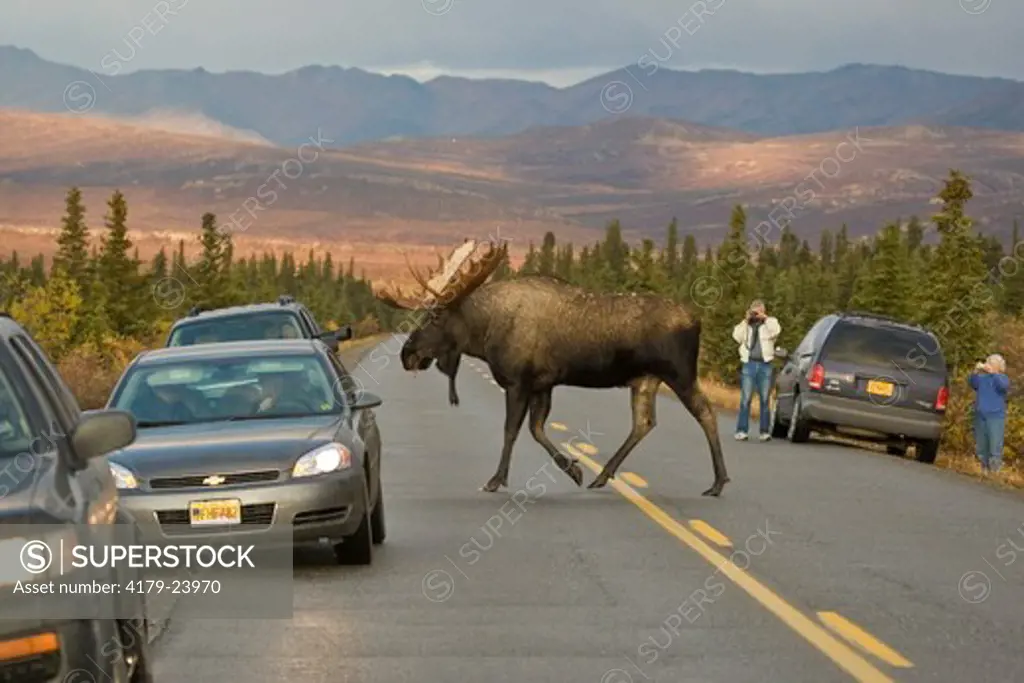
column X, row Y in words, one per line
column 330, row 457
column 122, row 477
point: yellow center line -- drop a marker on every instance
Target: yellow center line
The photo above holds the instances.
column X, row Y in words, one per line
column 587, row 448
column 633, row 479
column 847, row 659
column 559, row 426
column 858, row 636
column 711, row 533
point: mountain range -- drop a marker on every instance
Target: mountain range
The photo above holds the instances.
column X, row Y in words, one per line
column 359, row 164
column 351, row 105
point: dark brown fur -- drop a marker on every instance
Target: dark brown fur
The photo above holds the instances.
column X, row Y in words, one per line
column 536, row 333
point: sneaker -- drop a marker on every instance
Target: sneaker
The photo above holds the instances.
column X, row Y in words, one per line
column 741, row 436
column 765, row 437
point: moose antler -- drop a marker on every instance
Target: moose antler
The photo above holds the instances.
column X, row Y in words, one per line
column 479, row 270
column 448, row 283
column 394, row 297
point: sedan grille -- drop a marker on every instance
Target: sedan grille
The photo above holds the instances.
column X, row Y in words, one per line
column 197, row 481
column 254, row 517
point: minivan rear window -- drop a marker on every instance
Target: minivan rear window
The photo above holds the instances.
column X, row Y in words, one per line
column 881, row 346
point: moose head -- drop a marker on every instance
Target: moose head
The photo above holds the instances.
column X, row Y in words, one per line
column 438, row 321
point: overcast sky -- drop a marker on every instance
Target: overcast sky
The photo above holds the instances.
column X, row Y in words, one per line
column 558, row 41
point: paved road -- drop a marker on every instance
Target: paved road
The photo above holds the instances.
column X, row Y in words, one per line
column 810, row 548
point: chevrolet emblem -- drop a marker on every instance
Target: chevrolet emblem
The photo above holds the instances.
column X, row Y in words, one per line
column 214, row 480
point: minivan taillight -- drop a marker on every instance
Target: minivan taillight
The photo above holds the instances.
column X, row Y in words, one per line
column 941, row 399
column 816, row 377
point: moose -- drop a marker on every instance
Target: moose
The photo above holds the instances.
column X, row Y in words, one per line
column 448, row 364
column 537, row 332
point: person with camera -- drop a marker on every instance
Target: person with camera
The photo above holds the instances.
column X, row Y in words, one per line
column 756, row 335
column 991, row 385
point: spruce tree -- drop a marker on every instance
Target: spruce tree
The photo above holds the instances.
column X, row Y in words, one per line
column 959, row 297
column 72, row 256
column 546, row 263
column 118, row 274
column 885, row 284
column 1011, row 272
column 726, row 298
column 210, row 282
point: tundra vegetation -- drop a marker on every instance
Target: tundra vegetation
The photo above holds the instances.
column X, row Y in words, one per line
column 97, row 307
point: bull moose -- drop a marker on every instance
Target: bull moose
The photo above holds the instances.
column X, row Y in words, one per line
column 537, row 332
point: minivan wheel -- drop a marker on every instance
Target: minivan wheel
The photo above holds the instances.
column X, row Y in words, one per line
column 778, row 428
column 926, row 451
column 798, row 431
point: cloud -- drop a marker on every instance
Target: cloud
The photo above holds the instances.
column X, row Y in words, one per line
column 523, row 37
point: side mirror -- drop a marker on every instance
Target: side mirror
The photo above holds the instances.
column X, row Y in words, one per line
column 100, row 432
column 333, row 339
column 365, row 400
column 781, row 353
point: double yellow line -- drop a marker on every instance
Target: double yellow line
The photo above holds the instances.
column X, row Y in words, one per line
column 846, row 658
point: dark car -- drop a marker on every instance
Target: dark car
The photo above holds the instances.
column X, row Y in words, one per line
column 865, row 376
column 286, row 319
column 54, row 478
column 248, row 438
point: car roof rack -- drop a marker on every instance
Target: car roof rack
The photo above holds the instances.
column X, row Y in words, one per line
column 285, row 299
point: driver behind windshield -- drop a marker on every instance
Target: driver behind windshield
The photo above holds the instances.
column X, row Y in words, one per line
column 290, row 392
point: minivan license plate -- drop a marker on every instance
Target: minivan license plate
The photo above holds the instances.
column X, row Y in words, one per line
column 879, row 388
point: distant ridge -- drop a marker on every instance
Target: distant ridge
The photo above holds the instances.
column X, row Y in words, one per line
column 353, row 106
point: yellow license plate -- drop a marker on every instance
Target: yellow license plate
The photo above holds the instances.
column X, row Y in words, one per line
column 879, row 388
column 210, row 512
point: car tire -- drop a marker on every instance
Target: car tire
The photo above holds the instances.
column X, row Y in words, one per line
column 378, row 528
column 357, row 549
column 141, row 672
column 926, row 451
column 778, row 427
column 798, row 431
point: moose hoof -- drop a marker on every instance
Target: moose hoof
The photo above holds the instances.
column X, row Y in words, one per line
column 716, row 488
column 575, row 473
column 598, row 483
column 494, row 484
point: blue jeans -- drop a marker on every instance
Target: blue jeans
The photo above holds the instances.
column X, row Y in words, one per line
column 757, row 374
column 988, row 438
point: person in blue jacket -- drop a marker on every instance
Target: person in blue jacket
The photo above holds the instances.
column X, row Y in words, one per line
column 990, row 385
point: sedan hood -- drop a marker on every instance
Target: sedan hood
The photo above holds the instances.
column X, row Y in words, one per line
column 221, row 447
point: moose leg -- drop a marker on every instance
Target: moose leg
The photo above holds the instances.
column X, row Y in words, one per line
column 540, row 408
column 642, row 395
column 699, row 406
column 449, row 365
column 517, row 401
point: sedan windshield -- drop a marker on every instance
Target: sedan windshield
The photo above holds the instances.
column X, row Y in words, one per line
column 228, row 389
column 249, row 327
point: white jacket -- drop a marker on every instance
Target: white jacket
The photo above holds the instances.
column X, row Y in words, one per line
column 767, row 333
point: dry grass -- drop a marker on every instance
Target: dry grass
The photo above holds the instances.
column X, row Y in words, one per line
column 957, row 455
